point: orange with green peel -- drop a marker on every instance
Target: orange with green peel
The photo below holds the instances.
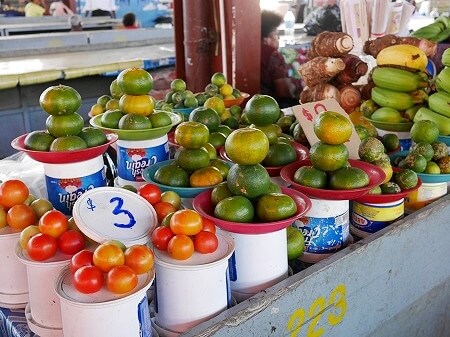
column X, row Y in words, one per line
column 205, row 177
column 136, row 104
column 262, row 110
column 134, row 122
column 328, row 157
column 68, row 143
column 65, row 125
column 250, row 181
column 135, row 81
column 92, row 136
column 38, row 140
column 247, row 146
column 60, row 100
column 332, row 128
column 191, row 135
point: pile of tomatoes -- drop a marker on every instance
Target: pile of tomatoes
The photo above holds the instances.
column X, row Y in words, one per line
column 110, row 264
column 164, row 203
column 185, row 232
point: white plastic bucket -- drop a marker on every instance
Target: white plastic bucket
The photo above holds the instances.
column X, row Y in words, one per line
column 44, row 317
column 188, row 292
column 13, row 280
column 104, row 313
column 133, row 156
column 424, row 195
column 325, row 226
column 371, row 217
column 404, row 138
column 260, row 261
column 66, row 182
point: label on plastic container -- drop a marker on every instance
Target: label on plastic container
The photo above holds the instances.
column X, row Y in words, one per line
column 424, row 195
column 325, row 234
column 145, row 324
column 132, row 161
column 373, row 217
column 63, row 192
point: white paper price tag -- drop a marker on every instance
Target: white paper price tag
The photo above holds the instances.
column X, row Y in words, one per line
column 306, row 114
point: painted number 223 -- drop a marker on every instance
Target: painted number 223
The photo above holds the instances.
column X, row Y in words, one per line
column 334, row 309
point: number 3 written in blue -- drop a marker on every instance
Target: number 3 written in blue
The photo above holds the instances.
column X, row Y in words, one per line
column 119, row 210
column 316, row 310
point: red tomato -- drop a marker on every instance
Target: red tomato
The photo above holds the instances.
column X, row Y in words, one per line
column 205, row 242
column 208, row 225
column 42, row 247
column 150, row 192
column 71, row 242
column 81, row 259
column 13, row 192
column 121, row 279
column 180, row 247
column 139, row 258
column 162, row 209
column 20, row 216
column 88, row 279
column 161, row 236
column 53, row 223
column 108, row 255
column 186, row 221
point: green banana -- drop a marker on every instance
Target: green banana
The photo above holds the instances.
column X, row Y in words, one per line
column 444, row 19
column 442, row 122
column 428, row 31
column 397, row 100
column 411, row 112
column 440, row 103
column 446, row 57
column 442, row 36
column 397, row 79
column 368, row 107
column 442, row 80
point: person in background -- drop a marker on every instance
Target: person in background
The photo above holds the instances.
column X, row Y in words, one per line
column 59, row 8
column 129, row 21
column 275, row 80
column 76, row 23
column 34, row 8
column 100, row 8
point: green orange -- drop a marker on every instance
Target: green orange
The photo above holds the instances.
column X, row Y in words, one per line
column 135, row 81
column 332, row 128
column 68, row 143
column 247, row 146
column 206, row 116
column 38, row 140
column 262, row 110
column 250, row 181
column 65, row 125
column 137, row 104
column 191, row 135
column 205, row 176
column 328, row 157
column 60, row 100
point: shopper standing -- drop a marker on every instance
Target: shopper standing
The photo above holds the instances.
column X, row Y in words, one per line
column 59, row 8
column 34, row 8
column 100, row 8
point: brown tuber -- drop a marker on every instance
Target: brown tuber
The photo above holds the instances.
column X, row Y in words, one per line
column 350, row 98
column 320, row 69
column 319, row 92
column 330, row 44
column 373, row 47
column 354, row 69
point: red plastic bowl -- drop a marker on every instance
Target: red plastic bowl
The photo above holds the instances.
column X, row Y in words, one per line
column 376, row 176
column 274, row 171
column 64, row 157
column 236, row 101
column 202, row 204
column 384, row 198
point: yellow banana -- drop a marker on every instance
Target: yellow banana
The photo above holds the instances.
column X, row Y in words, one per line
column 403, row 55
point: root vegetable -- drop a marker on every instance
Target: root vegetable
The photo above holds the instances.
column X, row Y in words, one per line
column 320, row 70
column 354, row 69
column 330, row 44
column 373, row 47
column 319, row 92
column 350, row 98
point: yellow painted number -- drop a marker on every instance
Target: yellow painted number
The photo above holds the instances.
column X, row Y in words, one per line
column 296, row 322
column 337, row 298
column 315, row 312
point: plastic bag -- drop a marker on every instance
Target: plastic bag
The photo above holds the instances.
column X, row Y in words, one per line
column 327, row 18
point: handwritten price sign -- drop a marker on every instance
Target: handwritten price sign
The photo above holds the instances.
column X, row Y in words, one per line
column 107, row 213
column 306, row 114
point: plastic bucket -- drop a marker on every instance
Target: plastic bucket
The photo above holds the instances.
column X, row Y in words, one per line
column 133, row 156
column 325, row 226
column 13, row 280
column 260, row 261
column 188, row 292
column 424, row 195
column 44, row 311
column 66, row 182
column 104, row 313
column 404, row 138
column 370, row 217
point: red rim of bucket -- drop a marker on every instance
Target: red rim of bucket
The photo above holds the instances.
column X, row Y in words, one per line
column 384, row 198
column 274, row 171
column 376, row 177
column 64, row 157
column 236, row 101
column 202, row 204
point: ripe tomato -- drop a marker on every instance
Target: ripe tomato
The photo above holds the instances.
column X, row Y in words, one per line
column 53, row 223
column 139, row 258
column 13, row 192
column 71, row 242
column 108, row 255
column 88, row 279
column 186, row 221
column 205, row 242
column 121, row 279
column 180, row 247
column 42, row 247
column 162, row 209
column 161, row 236
column 208, row 225
column 172, row 198
column 81, row 259
column 151, row 193
column 20, row 216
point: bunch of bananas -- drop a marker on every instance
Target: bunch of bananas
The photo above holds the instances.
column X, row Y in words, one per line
column 438, row 31
column 401, row 84
column 439, row 102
